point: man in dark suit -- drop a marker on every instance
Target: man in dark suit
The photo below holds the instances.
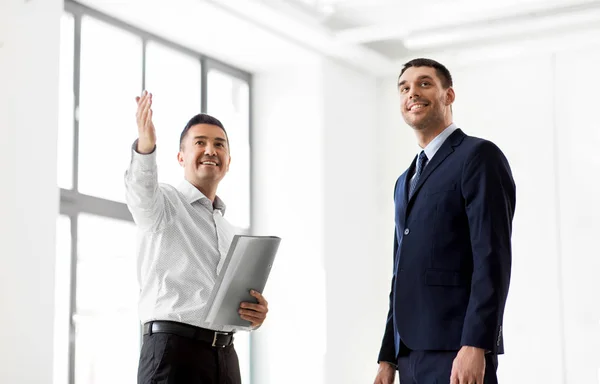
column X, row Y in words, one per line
column 452, row 245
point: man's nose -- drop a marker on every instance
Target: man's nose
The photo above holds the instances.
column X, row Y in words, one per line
column 412, row 93
column 210, row 150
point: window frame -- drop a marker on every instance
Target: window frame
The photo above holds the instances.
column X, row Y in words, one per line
column 73, row 202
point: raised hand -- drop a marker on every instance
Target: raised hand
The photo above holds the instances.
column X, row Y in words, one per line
column 146, row 131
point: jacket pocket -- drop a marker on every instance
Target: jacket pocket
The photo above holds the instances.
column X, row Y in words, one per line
column 443, row 277
column 442, row 188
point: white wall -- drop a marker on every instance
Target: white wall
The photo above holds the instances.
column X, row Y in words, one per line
column 315, row 184
column 577, row 82
column 355, row 233
column 29, row 52
column 288, row 202
column 540, row 110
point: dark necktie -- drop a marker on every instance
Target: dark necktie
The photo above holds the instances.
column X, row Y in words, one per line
column 421, row 163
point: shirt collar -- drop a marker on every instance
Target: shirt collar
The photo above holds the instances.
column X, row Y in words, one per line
column 435, row 144
column 193, row 194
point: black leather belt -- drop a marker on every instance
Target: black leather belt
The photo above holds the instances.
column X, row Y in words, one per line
column 214, row 338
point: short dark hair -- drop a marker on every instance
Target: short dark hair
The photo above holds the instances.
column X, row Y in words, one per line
column 442, row 72
column 201, row 118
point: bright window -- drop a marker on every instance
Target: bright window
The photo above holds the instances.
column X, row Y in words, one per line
column 104, row 64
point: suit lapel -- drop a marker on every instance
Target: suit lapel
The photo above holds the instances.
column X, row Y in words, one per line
column 400, row 196
column 445, row 150
column 405, row 185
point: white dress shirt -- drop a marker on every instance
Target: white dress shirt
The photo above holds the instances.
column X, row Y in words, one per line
column 183, row 240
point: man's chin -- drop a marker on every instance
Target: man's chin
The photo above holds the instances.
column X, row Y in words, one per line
column 416, row 124
column 208, row 175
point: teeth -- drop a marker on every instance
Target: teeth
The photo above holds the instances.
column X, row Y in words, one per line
column 417, row 106
column 209, row 163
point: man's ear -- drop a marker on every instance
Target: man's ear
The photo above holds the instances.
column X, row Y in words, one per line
column 228, row 163
column 180, row 158
column 450, row 96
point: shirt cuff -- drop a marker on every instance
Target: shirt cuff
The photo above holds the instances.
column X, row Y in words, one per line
column 141, row 161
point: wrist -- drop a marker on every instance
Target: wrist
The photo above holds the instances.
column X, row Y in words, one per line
column 145, row 147
column 473, row 349
column 387, row 365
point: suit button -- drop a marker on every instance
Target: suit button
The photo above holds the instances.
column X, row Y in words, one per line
column 406, row 231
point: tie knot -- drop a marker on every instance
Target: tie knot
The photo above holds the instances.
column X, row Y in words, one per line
column 422, row 156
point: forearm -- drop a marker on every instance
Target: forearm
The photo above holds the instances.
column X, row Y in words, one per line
column 489, row 193
column 387, row 352
column 143, row 196
column 489, row 289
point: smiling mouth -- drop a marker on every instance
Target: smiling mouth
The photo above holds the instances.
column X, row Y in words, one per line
column 416, row 107
column 209, row 163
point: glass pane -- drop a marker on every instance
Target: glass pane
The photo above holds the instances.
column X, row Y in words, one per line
column 66, row 103
column 107, row 348
column 111, row 77
column 174, row 80
column 62, row 297
column 98, row 259
column 228, row 100
column 107, row 327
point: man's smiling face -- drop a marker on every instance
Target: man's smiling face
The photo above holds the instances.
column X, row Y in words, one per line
column 204, row 154
column 423, row 99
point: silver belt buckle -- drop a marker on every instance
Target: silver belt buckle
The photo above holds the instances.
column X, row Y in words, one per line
column 217, row 333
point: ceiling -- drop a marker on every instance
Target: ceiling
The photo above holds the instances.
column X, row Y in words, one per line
column 401, row 28
column 373, row 36
column 390, row 31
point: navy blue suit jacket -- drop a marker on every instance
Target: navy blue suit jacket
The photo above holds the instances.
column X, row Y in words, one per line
column 452, row 251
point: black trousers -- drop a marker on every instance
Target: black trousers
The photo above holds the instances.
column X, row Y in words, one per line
column 435, row 367
column 173, row 359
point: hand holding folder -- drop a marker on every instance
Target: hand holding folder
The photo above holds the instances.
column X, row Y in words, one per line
column 246, row 267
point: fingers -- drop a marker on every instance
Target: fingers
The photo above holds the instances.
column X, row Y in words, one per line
column 255, row 313
column 261, row 299
column 254, row 321
column 147, row 111
column 141, row 102
column 258, row 311
column 454, row 377
column 255, row 307
column 253, row 318
column 144, row 110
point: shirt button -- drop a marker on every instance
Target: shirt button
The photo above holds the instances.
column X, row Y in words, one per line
column 406, row 231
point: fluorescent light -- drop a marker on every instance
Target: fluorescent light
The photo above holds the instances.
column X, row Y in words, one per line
column 522, row 27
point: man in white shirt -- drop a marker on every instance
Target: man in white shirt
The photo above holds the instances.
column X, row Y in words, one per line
column 183, row 241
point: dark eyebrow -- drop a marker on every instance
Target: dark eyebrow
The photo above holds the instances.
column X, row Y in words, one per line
column 206, row 138
column 423, row 77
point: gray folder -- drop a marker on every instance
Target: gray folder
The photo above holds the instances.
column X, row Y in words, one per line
column 246, row 267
